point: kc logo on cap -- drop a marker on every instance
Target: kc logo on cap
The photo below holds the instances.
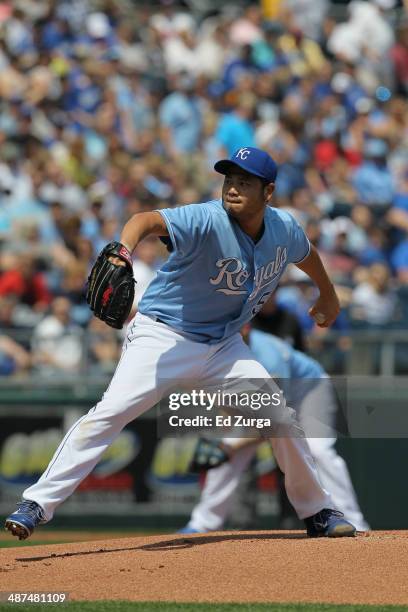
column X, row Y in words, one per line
column 243, row 153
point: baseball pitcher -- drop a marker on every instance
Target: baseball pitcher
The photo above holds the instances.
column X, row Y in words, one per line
column 227, row 257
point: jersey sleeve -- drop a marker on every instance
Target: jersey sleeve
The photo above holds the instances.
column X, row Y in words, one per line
column 188, row 226
column 299, row 245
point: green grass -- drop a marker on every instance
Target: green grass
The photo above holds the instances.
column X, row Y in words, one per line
column 139, row 606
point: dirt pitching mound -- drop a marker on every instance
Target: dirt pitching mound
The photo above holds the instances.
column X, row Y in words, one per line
column 281, row 566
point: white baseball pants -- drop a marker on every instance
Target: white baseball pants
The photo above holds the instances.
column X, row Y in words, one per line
column 217, row 496
column 153, row 357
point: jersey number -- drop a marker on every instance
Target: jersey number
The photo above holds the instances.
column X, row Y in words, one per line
column 264, row 298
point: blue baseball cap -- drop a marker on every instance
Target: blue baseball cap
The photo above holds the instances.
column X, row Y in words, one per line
column 252, row 160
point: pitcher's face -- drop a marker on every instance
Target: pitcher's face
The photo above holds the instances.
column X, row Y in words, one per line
column 244, row 194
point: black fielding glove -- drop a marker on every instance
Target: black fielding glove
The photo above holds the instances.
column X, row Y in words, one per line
column 111, row 287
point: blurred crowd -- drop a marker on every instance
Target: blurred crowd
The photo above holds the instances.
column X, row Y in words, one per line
column 109, row 108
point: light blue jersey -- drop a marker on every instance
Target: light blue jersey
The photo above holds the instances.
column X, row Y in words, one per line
column 298, row 373
column 281, row 359
column 217, row 278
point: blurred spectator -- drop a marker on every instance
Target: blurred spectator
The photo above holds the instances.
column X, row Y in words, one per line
column 399, row 57
column 374, row 301
column 168, row 21
column 238, row 68
column 235, row 128
column 20, row 276
column 8, row 305
column 398, row 214
column 14, row 359
column 103, row 347
column 73, row 287
column 247, row 29
column 181, row 49
column 57, row 341
column 399, row 260
column 212, row 51
column 342, row 239
column 302, row 54
column 375, row 248
column 367, row 33
column 373, row 180
column 306, row 15
column 181, row 114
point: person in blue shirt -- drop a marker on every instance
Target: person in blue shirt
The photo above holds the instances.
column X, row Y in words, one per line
column 235, row 127
column 309, row 390
column 373, row 180
column 181, row 112
column 227, row 257
column 399, row 261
